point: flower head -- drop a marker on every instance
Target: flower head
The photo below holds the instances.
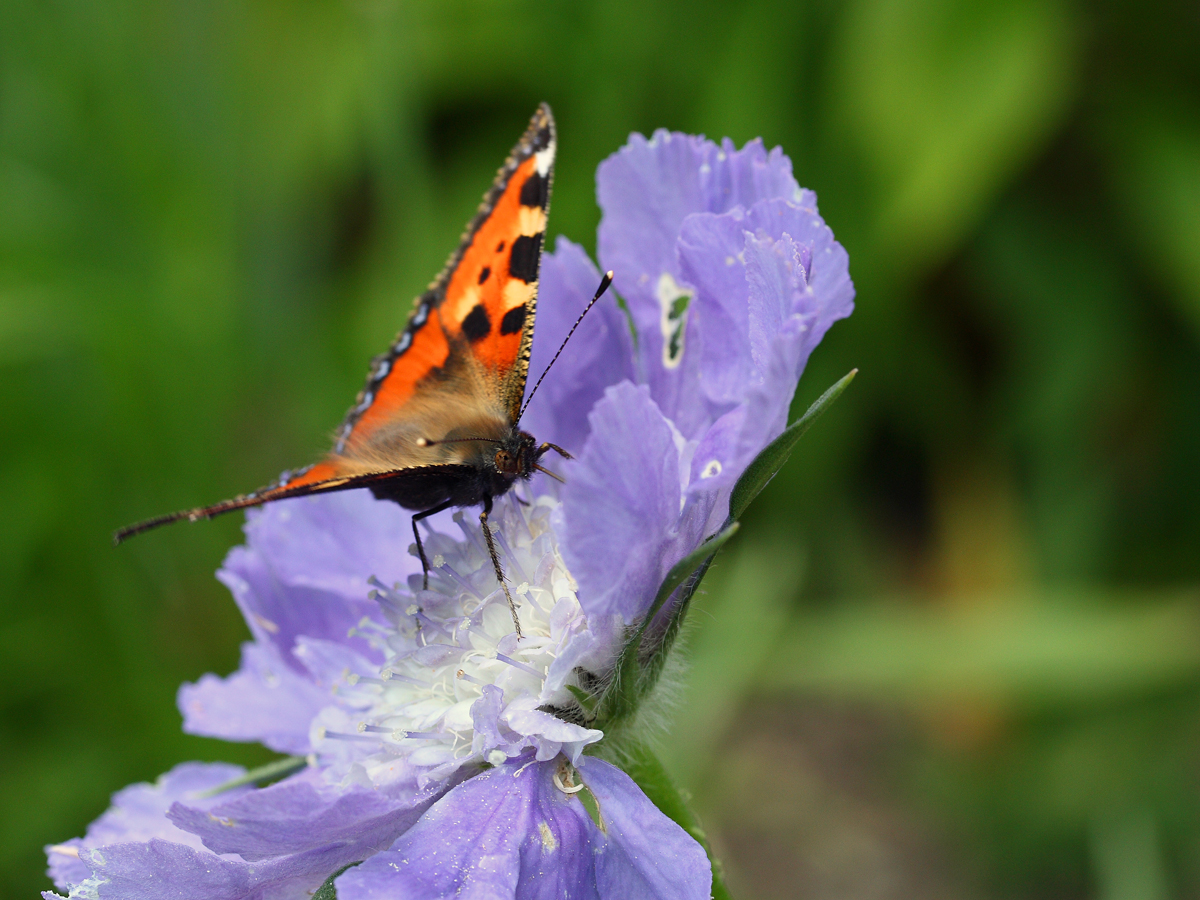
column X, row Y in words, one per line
column 456, row 684
column 445, row 753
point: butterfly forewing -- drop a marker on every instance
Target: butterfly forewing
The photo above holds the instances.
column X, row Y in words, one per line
column 459, row 367
column 468, row 339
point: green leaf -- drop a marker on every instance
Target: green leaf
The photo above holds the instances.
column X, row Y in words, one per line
column 776, row 453
column 280, row 768
column 640, row 763
column 689, row 572
column 327, row 891
column 1156, row 175
column 684, row 569
column 632, row 680
column 1039, row 650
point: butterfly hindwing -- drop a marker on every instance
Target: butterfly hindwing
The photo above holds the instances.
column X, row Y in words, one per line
column 416, row 483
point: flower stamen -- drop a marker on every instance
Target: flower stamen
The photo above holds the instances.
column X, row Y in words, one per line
column 520, row 665
column 442, row 648
column 463, row 676
column 342, row 736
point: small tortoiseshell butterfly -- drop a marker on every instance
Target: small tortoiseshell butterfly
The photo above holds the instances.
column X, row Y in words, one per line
column 437, row 424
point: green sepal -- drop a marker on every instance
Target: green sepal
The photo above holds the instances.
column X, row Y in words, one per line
column 687, row 566
column 776, row 453
column 638, row 665
column 586, row 700
column 688, row 572
column 640, row 763
column 280, row 768
column 588, row 799
column 327, row 891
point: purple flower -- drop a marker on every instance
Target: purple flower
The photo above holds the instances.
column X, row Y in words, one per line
column 446, row 753
column 519, row 831
column 731, row 279
column 170, row 840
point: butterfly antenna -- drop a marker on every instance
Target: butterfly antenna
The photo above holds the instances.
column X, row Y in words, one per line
column 604, row 283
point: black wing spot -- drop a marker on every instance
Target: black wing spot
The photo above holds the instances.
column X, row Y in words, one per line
column 476, row 325
column 500, row 247
column 483, row 276
column 525, row 256
column 535, row 191
column 514, row 320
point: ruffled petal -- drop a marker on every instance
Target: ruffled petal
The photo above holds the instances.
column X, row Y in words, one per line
column 265, row 700
column 600, row 353
column 306, row 565
column 138, row 813
column 623, row 506
column 502, row 834
column 647, row 189
column 511, row 833
column 645, row 854
column 302, row 814
column 153, row 869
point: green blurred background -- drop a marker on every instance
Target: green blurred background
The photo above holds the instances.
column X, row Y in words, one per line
column 955, row 651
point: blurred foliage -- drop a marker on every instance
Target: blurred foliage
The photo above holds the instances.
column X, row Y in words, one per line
column 213, row 214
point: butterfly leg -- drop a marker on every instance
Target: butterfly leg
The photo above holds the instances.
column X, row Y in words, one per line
column 421, row 547
column 491, row 545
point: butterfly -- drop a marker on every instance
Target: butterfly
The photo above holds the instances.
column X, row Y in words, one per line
column 438, row 423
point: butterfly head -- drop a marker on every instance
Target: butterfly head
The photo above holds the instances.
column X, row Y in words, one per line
column 517, row 455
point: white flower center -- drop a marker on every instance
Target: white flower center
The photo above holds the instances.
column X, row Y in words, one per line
column 457, row 684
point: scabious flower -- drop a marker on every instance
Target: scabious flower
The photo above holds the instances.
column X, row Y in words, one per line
column 445, row 756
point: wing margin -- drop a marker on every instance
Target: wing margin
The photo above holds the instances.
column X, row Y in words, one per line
column 302, row 487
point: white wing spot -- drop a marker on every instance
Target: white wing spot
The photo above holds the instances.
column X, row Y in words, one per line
column 544, row 159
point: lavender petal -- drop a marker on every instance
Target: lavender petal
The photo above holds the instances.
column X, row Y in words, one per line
column 622, row 505
column 265, row 700
column 647, row 854
column 302, row 814
column 600, row 352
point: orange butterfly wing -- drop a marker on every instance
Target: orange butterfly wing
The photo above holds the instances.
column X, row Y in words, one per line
column 460, row 365
column 481, row 306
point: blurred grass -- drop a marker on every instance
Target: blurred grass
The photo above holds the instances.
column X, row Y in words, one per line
column 212, row 215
